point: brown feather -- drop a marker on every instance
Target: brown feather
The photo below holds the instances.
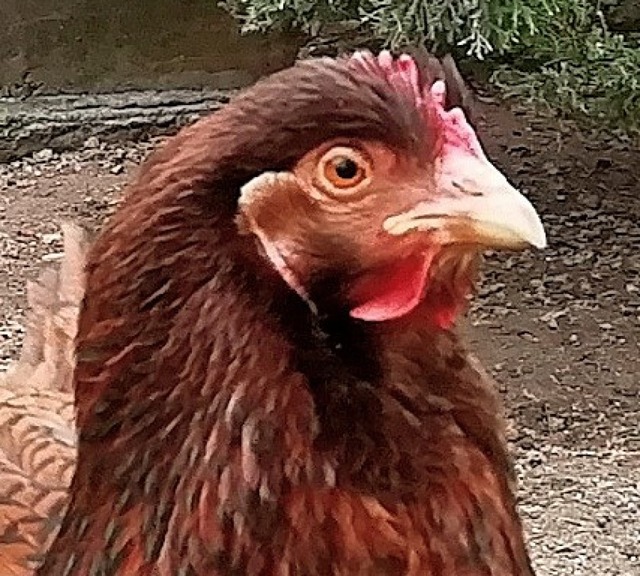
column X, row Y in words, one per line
column 37, row 432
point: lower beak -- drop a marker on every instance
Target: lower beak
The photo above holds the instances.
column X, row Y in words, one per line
column 475, row 204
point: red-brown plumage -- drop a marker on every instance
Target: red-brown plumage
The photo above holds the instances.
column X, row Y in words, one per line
column 225, row 426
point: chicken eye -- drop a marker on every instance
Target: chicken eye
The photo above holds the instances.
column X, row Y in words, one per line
column 344, row 172
column 344, row 168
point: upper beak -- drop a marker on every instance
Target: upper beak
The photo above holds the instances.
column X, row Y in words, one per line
column 475, row 204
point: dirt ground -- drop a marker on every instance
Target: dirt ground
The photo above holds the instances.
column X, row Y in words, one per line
column 558, row 328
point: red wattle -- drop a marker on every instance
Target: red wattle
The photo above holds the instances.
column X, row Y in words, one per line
column 396, row 290
column 444, row 312
column 393, row 291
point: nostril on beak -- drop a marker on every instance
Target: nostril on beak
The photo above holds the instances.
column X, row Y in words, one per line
column 462, row 188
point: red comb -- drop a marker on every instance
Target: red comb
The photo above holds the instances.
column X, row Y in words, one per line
column 402, row 73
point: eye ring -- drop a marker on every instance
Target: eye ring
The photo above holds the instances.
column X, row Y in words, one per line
column 343, row 170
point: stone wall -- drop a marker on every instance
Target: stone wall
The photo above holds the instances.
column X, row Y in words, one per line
column 112, row 45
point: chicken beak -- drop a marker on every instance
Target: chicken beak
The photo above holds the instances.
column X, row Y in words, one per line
column 475, row 205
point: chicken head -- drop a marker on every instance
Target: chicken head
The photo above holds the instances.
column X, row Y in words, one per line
column 405, row 228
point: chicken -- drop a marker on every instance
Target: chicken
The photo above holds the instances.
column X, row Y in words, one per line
column 268, row 379
column 37, row 432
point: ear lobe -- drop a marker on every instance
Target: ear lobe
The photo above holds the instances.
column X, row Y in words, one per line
column 270, row 207
column 265, row 199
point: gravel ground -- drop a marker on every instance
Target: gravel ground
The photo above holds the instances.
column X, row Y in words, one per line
column 559, row 329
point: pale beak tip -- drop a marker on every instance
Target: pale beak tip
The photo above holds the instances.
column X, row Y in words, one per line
column 533, row 232
column 539, row 238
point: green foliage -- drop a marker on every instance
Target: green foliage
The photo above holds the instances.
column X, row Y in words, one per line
column 558, row 52
column 480, row 26
column 578, row 68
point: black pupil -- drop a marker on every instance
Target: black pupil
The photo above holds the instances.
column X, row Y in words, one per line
column 346, row 169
